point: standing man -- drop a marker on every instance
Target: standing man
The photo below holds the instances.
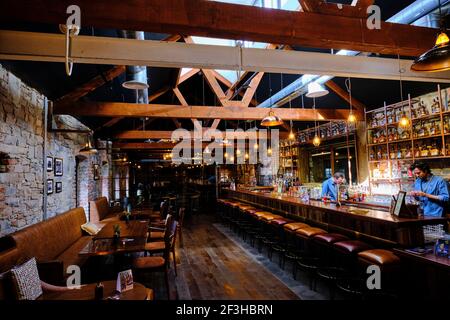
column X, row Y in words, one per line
column 330, row 186
column 430, row 190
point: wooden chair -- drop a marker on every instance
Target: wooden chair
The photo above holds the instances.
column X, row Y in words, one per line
column 181, row 213
column 158, row 263
column 169, row 242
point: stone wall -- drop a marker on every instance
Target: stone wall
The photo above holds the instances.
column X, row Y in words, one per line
column 22, row 142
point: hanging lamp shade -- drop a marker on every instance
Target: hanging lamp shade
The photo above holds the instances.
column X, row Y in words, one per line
column 436, row 59
column 88, row 149
column 271, row 120
column 315, row 90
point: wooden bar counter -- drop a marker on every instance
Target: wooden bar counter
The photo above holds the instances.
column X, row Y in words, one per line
column 372, row 225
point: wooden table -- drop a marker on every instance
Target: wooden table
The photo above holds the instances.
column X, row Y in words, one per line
column 87, row 292
column 132, row 229
column 133, row 237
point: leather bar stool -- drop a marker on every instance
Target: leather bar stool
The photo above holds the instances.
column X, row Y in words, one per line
column 347, row 251
column 281, row 246
column 307, row 262
column 243, row 222
column 389, row 265
column 329, row 272
column 293, row 253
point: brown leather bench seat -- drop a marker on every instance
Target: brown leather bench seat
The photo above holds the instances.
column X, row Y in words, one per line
column 99, row 210
column 55, row 243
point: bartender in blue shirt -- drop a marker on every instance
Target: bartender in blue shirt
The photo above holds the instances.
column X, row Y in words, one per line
column 430, row 190
column 330, row 186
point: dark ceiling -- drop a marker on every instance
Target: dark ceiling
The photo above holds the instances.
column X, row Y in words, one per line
column 51, row 80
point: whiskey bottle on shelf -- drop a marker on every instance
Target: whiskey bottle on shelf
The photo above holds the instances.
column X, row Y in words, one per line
column 435, row 107
column 390, row 116
column 379, row 154
column 434, row 152
column 371, row 154
column 393, row 153
column 446, row 125
column 432, row 128
column 417, row 151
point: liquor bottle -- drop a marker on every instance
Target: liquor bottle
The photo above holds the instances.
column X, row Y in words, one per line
column 374, row 137
column 432, row 128
column 395, row 134
column 401, row 153
column 371, row 154
column 417, row 151
column 98, row 291
column 390, row 135
column 434, row 150
column 390, row 117
column 408, row 153
column 435, row 107
column 393, row 152
column 379, row 154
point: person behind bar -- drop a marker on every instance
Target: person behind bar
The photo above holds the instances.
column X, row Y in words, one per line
column 330, row 186
column 431, row 191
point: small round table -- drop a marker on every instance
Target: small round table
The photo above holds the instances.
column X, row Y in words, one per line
column 87, row 292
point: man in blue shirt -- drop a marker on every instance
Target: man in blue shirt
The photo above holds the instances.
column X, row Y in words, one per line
column 330, row 186
column 430, row 190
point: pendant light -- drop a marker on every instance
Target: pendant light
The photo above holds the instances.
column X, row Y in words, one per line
column 316, row 139
column 315, row 90
column 88, row 148
column 271, row 120
column 404, row 121
column 437, row 58
column 351, row 117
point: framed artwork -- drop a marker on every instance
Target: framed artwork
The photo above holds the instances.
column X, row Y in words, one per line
column 96, row 172
column 49, row 186
column 58, row 187
column 49, row 164
column 58, row 167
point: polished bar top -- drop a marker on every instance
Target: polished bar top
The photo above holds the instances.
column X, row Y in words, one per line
column 347, row 209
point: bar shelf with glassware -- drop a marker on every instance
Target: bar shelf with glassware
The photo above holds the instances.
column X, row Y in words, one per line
column 424, row 135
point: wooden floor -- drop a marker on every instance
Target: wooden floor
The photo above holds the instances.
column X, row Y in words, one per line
column 210, row 266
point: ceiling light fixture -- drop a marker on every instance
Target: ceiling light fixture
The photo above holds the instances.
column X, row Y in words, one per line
column 315, row 90
column 437, row 58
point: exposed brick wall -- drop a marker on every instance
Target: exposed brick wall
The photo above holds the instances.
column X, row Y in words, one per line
column 22, row 139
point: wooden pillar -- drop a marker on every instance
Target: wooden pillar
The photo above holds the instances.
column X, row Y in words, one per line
column 361, row 152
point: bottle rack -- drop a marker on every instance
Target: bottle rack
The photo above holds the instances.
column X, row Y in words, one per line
column 391, row 149
column 327, row 131
column 289, row 153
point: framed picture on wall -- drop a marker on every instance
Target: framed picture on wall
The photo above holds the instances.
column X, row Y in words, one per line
column 49, row 164
column 49, row 186
column 96, row 172
column 58, row 187
column 58, row 167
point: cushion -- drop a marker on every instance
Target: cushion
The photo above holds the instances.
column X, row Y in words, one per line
column 148, row 262
column 155, row 246
column 295, row 226
column 379, row 257
column 92, row 228
column 352, row 246
column 156, row 235
column 280, row 221
column 330, row 238
column 26, row 280
column 309, row 232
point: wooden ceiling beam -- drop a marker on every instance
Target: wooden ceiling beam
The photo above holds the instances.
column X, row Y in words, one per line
column 356, row 104
column 118, row 109
column 144, row 135
column 336, row 9
column 91, row 85
column 230, row 21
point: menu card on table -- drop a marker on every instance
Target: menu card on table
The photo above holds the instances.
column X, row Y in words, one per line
column 124, row 281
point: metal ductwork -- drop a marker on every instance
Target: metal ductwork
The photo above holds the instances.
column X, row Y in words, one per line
column 136, row 76
column 420, row 13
